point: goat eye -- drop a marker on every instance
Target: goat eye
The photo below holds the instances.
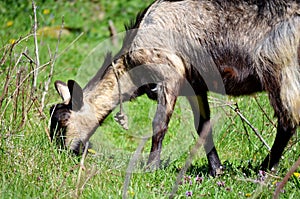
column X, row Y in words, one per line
column 64, row 116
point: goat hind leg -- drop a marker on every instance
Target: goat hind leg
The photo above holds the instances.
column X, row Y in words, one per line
column 285, row 127
column 284, row 133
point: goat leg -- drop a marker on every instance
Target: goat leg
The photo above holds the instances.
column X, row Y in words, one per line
column 284, row 133
column 201, row 113
column 165, row 105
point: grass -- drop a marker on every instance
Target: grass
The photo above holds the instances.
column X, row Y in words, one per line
column 32, row 167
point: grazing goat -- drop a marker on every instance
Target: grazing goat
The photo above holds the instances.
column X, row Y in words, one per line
column 186, row 48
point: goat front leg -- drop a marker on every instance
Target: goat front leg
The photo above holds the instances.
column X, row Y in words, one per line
column 166, row 99
column 201, row 113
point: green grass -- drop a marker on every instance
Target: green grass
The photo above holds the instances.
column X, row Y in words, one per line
column 32, row 167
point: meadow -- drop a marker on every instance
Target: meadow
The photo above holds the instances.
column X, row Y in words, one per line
column 68, row 40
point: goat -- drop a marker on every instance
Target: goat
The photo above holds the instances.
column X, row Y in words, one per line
column 187, row 48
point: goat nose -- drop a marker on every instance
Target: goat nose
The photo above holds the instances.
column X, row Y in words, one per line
column 82, row 148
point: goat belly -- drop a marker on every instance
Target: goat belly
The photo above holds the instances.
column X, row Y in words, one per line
column 240, row 82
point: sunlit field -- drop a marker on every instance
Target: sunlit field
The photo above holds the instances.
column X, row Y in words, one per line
column 68, row 40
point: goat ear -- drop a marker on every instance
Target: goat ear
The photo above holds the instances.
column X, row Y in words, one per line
column 63, row 91
column 76, row 95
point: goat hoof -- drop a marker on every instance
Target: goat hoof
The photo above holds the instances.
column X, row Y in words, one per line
column 216, row 171
column 152, row 165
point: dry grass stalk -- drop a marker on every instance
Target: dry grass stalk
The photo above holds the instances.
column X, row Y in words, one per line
column 199, row 142
column 81, row 168
column 279, row 188
column 113, row 33
column 37, row 59
column 235, row 108
column 52, row 61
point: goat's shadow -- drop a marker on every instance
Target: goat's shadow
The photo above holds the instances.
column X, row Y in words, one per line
column 246, row 167
column 200, row 167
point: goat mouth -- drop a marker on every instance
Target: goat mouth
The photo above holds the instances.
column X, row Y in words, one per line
column 77, row 147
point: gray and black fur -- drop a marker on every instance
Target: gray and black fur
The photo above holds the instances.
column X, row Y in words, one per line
column 187, row 47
